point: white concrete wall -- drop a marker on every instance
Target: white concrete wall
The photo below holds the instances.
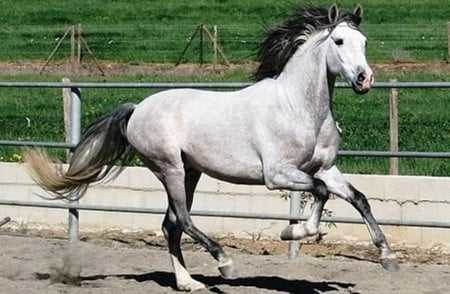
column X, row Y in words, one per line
column 391, row 197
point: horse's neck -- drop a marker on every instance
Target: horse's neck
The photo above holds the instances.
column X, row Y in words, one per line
column 307, row 83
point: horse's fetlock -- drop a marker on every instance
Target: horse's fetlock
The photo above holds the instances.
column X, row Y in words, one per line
column 379, row 243
column 311, row 229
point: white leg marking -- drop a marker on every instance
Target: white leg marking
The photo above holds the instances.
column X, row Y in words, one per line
column 184, row 280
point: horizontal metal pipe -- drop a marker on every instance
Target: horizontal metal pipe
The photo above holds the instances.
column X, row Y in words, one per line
column 413, row 154
column 243, row 215
column 167, row 85
column 36, row 144
column 405, row 85
column 345, row 153
column 221, row 85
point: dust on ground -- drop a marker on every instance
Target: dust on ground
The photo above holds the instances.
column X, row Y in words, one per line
column 116, row 261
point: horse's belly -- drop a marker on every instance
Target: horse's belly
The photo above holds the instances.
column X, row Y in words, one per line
column 247, row 176
column 234, row 168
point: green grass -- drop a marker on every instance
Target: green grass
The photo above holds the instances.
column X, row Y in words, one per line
column 36, row 114
column 157, row 31
column 423, row 126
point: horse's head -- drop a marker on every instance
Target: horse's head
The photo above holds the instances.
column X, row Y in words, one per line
column 346, row 55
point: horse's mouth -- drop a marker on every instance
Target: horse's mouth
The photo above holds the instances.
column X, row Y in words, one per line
column 359, row 88
column 363, row 82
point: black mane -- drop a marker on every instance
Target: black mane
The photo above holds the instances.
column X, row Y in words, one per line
column 282, row 42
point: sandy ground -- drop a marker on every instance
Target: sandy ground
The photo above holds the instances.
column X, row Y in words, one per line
column 48, row 265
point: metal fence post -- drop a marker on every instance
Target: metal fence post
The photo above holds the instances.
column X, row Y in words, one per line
column 75, row 134
column 294, row 212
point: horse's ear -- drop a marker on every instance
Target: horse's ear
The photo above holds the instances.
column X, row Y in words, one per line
column 333, row 13
column 358, row 11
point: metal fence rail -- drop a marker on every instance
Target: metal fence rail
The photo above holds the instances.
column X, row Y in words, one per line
column 381, row 85
column 346, row 153
column 210, row 213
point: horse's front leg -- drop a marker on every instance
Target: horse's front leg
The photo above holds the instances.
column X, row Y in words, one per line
column 311, row 226
column 339, row 186
column 290, row 178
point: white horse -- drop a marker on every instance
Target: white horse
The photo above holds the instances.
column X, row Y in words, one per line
column 279, row 132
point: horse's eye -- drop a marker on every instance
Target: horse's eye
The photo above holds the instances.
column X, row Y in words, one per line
column 339, row 42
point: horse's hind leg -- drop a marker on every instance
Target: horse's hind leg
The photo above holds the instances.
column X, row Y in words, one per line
column 180, row 198
column 172, row 233
column 337, row 184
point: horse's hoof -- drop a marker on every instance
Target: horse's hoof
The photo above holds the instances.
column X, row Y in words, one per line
column 228, row 271
column 191, row 286
column 294, row 232
column 390, row 264
column 287, row 233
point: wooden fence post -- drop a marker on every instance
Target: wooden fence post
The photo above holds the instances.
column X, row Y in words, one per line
column 67, row 98
column 214, row 40
column 202, row 30
column 78, row 38
column 448, row 39
column 72, row 48
column 393, row 130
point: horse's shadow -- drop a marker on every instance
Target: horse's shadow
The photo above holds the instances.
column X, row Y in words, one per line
column 274, row 283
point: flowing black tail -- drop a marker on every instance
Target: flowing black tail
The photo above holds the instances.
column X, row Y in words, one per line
column 100, row 155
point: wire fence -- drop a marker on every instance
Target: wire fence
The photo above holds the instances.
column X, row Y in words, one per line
column 163, row 43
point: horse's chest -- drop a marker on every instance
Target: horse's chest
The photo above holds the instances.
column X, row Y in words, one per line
column 312, row 150
column 323, row 153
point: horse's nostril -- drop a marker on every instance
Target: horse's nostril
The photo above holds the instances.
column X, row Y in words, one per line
column 361, row 77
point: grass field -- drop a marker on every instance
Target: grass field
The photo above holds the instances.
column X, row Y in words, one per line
column 158, row 30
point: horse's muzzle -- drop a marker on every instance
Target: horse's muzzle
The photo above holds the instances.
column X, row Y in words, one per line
column 363, row 82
